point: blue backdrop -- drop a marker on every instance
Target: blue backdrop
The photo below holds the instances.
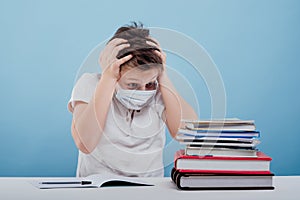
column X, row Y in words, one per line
column 254, row 43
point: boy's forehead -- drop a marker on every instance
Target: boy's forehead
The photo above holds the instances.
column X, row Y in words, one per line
column 140, row 75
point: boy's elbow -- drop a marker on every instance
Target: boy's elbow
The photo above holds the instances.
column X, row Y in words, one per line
column 173, row 134
column 172, row 123
column 173, row 129
column 82, row 148
column 79, row 144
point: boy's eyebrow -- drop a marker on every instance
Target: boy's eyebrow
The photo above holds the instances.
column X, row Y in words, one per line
column 153, row 78
column 133, row 79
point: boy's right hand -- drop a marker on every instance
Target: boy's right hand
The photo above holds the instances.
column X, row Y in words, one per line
column 108, row 60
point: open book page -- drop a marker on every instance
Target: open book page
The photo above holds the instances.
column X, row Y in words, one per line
column 92, row 181
column 105, row 180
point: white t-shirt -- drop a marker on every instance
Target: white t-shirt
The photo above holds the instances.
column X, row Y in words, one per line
column 128, row 146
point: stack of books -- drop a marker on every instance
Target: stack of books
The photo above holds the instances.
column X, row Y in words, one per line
column 221, row 154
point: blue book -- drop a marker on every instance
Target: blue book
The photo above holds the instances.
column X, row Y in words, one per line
column 222, row 134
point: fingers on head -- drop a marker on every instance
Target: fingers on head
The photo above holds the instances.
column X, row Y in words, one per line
column 123, row 60
column 153, row 40
column 122, row 46
column 117, row 49
column 160, row 53
column 152, row 43
column 155, row 45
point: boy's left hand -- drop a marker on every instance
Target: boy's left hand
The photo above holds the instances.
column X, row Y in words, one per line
column 161, row 54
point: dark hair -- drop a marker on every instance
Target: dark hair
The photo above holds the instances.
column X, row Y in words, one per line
column 143, row 55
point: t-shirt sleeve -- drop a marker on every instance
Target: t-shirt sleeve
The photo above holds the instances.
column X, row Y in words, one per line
column 84, row 89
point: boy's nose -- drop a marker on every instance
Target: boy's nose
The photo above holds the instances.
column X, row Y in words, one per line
column 143, row 87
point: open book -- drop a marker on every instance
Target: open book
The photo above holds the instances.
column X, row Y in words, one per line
column 92, row 181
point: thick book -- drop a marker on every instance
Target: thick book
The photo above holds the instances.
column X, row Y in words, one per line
column 92, row 181
column 221, row 152
column 216, row 181
column 259, row 164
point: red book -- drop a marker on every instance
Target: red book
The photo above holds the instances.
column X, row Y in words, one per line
column 215, row 164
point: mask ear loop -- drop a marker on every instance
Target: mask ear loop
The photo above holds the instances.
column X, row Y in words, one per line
column 117, row 88
column 156, row 84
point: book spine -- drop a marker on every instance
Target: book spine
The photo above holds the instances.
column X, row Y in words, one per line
column 181, row 155
column 231, row 172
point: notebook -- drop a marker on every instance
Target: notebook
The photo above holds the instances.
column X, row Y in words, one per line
column 92, row 181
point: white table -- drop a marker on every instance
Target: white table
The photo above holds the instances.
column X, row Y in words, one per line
column 286, row 188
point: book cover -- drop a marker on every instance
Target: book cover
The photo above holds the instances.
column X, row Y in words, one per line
column 216, row 181
column 259, row 164
column 220, row 133
column 180, row 154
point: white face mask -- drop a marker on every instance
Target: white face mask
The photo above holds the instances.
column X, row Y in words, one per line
column 135, row 99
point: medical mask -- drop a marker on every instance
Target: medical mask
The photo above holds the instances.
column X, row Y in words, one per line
column 134, row 99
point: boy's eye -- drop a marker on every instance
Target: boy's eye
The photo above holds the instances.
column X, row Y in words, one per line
column 151, row 86
column 132, row 85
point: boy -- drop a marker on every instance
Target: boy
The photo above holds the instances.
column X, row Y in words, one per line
column 119, row 117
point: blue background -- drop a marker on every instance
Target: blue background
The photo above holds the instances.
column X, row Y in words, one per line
column 254, row 43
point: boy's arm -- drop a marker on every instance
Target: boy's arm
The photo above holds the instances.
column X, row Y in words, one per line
column 89, row 118
column 176, row 108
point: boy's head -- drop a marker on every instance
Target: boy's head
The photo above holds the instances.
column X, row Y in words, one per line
column 145, row 65
column 143, row 56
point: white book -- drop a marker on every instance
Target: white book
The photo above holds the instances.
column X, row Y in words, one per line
column 225, row 144
column 220, row 124
column 221, row 152
column 223, row 165
column 245, row 127
column 219, row 121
